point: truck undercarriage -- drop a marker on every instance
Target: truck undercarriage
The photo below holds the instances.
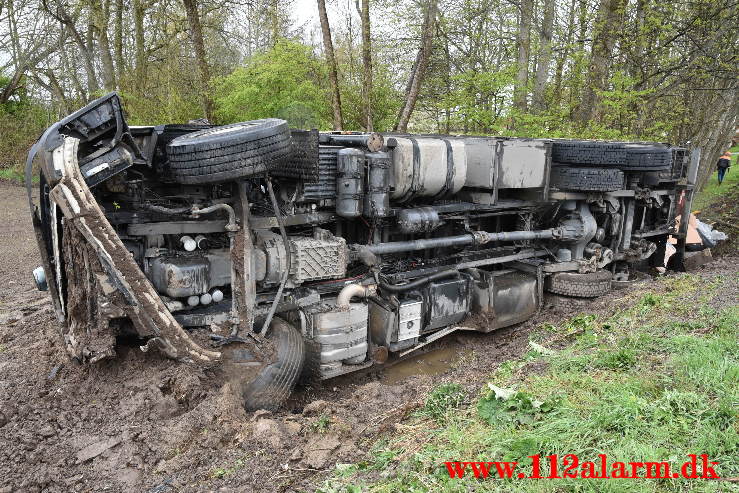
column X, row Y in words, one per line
column 337, row 251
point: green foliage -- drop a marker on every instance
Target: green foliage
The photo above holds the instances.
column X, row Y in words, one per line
column 620, row 359
column 385, row 100
column 321, row 425
column 674, row 393
column 285, row 82
column 443, row 399
column 177, row 107
column 517, row 407
column 712, row 192
column 479, row 99
column 21, row 123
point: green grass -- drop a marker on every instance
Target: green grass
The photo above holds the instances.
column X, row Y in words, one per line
column 11, row 174
column 656, row 381
column 321, row 425
column 712, row 190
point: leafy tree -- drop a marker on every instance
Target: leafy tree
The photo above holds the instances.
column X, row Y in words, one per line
column 287, row 82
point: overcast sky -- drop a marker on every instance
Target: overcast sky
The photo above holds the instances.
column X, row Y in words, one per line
column 306, row 11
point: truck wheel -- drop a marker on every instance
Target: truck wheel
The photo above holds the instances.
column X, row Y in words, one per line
column 229, row 152
column 587, row 179
column 275, row 382
column 641, row 157
column 590, row 285
column 589, row 153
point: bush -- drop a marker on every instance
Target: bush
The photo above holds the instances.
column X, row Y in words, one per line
column 19, row 128
column 286, row 82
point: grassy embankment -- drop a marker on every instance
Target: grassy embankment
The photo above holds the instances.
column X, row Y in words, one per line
column 712, row 191
column 719, row 206
column 655, row 380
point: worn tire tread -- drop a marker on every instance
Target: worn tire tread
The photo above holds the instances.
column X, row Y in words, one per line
column 587, row 179
column 590, row 285
column 276, row 381
column 209, row 157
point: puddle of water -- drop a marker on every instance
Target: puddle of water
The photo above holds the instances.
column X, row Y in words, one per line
column 431, row 363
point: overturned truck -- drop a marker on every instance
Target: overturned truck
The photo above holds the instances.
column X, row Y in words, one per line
column 311, row 255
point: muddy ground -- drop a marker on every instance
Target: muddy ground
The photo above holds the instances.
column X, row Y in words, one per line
column 144, row 423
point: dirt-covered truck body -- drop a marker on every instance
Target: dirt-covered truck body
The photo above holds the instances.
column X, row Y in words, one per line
column 339, row 251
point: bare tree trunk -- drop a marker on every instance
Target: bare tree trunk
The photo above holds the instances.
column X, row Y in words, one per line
column 523, row 44
column 274, row 13
column 367, row 68
column 422, row 59
column 606, row 32
column 196, row 34
column 71, row 69
column 716, row 128
column 564, row 56
column 545, row 55
column 118, row 40
column 13, row 84
column 55, row 89
column 88, row 49
column 139, row 11
column 101, row 16
column 84, row 44
column 333, row 72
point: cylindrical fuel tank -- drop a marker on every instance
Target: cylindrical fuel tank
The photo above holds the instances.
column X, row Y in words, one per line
column 427, row 167
column 418, row 220
column 350, row 182
column 377, row 198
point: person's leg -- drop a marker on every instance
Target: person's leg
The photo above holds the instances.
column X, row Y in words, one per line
column 721, row 173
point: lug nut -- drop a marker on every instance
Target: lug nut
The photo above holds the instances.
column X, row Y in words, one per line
column 193, row 300
column 205, row 299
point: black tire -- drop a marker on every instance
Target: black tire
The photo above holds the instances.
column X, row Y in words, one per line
column 275, row 382
column 590, row 285
column 647, row 158
column 312, row 366
column 587, row 179
column 229, row 152
column 621, row 155
column 589, row 153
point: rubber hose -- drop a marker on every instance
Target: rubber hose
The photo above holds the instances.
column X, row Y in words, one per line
column 399, row 288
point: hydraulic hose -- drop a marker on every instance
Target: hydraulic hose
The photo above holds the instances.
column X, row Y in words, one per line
column 399, row 288
column 166, row 210
column 231, row 225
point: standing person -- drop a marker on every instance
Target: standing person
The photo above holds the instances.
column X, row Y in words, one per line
column 723, row 165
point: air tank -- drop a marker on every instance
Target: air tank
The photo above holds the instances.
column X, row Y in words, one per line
column 377, row 198
column 350, row 183
column 418, row 220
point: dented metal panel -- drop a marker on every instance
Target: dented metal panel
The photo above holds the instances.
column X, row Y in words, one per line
column 523, row 163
